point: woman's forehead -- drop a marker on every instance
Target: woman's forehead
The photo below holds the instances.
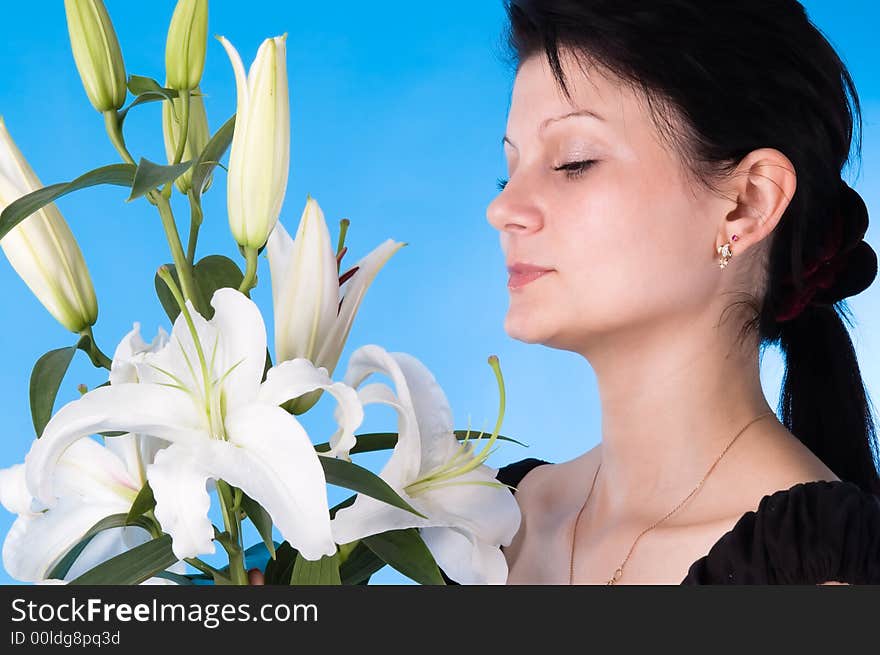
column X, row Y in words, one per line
column 538, row 100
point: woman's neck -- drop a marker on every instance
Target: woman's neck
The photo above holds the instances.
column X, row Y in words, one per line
column 671, row 404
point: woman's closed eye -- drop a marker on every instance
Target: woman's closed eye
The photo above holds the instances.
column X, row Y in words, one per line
column 573, row 170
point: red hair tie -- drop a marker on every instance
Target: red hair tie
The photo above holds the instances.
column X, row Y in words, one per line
column 819, row 274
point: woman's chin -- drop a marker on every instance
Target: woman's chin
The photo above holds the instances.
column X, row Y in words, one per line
column 525, row 327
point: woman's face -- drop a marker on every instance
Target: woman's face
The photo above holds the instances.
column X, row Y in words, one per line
column 604, row 205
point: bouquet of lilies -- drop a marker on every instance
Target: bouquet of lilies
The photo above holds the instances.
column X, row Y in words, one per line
column 117, row 486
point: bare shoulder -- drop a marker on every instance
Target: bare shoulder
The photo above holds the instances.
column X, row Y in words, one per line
column 529, row 496
column 775, row 461
column 541, row 495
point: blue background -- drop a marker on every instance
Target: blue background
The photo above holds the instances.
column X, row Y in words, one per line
column 397, row 114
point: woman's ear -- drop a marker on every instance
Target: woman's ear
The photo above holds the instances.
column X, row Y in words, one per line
column 763, row 186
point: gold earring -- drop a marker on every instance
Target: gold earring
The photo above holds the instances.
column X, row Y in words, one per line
column 725, row 253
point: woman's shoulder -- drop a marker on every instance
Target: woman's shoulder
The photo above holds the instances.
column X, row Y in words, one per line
column 810, row 533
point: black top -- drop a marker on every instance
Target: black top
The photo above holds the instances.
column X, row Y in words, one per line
column 810, row 533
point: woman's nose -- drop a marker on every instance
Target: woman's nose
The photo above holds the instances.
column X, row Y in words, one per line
column 514, row 210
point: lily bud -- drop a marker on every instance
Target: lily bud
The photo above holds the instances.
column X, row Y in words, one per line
column 96, row 53
column 307, row 292
column 313, row 311
column 42, row 249
column 197, row 136
column 259, row 159
column 186, row 44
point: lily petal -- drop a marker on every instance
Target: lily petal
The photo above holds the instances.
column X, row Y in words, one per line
column 401, row 467
column 94, row 473
column 296, row 377
column 432, row 410
column 14, row 495
column 143, row 408
column 240, row 75
column 465, row 559
column 178, row 479
column 137, row 451
column 107, row 544
column 35, row 543
column 235, row 193
column 368, row 516
column 279, row 251
column 131, row 349
column 370, row 359
column 353, row 292
column 270, row 457
column 243, row 344
column 490, row 513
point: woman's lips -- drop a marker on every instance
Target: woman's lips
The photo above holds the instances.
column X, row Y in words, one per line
column 520, row 276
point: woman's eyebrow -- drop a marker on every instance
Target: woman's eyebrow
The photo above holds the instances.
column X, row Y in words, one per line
column 585, row 113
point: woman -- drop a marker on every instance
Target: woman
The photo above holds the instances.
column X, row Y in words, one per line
column 675, row 205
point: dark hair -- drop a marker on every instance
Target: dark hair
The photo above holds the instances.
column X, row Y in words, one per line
column 721, row 79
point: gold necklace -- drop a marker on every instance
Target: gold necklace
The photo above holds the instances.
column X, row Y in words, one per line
column 619, row 572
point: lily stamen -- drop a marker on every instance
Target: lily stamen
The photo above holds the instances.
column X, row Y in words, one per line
column 452, row 468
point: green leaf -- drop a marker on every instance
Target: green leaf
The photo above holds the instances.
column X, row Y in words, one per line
column 374, row 441
column 405, row 551
column 169, row 304
column 279, row 570
column 113, row 521
column 208, row 160
column 266, row 368
column 150, row 175
column 348, row 502
column 45, row 381
column 211, row 273
column 133, row 566
column 324, row 571
column 216, row 272
column 16, row 212
column 177, row 578
column 139, row 85
column 261, row 520
column 360, row 565
column 142, row 503
column 357, row 478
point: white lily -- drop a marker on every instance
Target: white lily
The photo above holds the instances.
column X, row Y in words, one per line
column 259, row 158
column 202, row 392
column 313, row 313
column 93, row 481
column 470, row 514
column 42, row 249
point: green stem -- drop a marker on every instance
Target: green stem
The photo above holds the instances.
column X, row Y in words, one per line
column 232, row 522
column 184, row 126
column 204, row 567
column 343, row 230
column 181, row 263
column 114, row 131
column 250, row 276
column 236, row 567
column 181, row 142
column 195, row 222
column 99, row 359
column 345, row 550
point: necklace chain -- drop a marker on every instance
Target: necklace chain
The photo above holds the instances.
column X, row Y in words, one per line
column 619, row 572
